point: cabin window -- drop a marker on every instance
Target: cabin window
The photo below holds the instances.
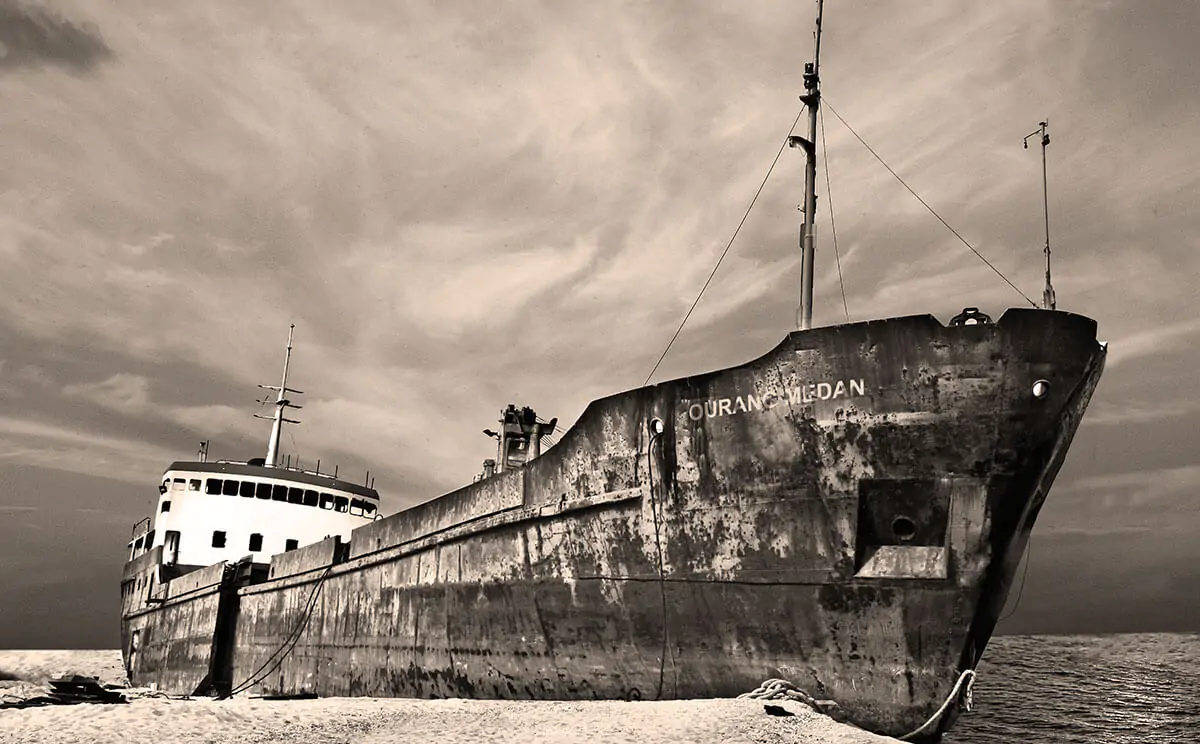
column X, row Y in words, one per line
column 279, row 493
column 341, row 503
column 218, row 539
column 194, row 484
column 295, row 495
column 290, row 544
column 137, row 544
column 356, row 507
column 263, row 491
column 255, row 542
column 178, row 484
column 230, row 488
column 326, row 501
column 166, row 506
column 213, row 486
column 149, row 539
column 247, row 490
column 311, row 498
column 368, row 508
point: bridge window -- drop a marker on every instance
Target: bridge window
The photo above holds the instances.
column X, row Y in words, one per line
column 291, row 544
column 279, row 493
column 137, row 544
column 213, row 486
column 341, row 503
column 326, row 501
column 311, row 498
column 368, row 508
column 166, row 506
column 356, row 507
column 247, row 489
column 230, row 488
column 263, row 491
column 218, row 539
column 178, row 484
column 295, row 495
column 255, row 542
column 149, row 539
column 194, row 484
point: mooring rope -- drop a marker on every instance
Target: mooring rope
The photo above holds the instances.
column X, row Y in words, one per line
column 780, row 689
column 276, row 658
column 969, row 676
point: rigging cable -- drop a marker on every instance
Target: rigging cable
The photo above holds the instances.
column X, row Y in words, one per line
column 727, row 247
column 295, row 447
column 276, row 658
column 926, row 205
column 662, row 584
column 832, row 222
column 1021, row 589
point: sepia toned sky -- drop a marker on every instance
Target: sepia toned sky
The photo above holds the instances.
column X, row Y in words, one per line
column 463, row 204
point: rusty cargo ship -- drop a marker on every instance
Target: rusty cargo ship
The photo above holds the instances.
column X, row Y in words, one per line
column 847, row 511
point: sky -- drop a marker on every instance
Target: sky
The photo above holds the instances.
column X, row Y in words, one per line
column 462, row 205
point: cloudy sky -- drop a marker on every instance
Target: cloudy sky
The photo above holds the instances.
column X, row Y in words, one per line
column 461, row 205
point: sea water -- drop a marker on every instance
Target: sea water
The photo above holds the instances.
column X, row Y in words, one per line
column 1111, row 689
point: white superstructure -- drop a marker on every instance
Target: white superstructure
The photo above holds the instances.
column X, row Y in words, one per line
column 209, row 512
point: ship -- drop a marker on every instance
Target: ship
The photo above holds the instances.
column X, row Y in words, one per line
column 845, row 512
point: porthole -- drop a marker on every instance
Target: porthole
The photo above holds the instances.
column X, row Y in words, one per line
column 903, row 528
column 1040, row 388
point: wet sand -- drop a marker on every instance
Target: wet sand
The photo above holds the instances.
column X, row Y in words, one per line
column 158, row 720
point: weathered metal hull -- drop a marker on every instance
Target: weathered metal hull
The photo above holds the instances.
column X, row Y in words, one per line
column 846, row 512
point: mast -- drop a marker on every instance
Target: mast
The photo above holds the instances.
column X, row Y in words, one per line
column 812, row 101
column 281, row 402
column 1047, row 293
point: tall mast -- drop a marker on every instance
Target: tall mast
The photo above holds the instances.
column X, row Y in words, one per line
column 281, row 402
column 812, row 101
column 1048, row 292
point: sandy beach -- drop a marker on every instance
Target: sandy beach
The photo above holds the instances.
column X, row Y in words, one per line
column 155, row 719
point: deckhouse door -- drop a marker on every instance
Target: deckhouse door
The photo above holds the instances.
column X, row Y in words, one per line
column 171, row 547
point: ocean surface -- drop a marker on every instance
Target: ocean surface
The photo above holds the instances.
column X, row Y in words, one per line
column 1112, row 689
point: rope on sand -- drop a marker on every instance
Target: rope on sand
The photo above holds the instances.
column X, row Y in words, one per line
column 781, row 689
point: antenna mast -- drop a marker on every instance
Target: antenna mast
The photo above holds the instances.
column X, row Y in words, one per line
column 811, row 100
column 281, row 402
column 1047, row 293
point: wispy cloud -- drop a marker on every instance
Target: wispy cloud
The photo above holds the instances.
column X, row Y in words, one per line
column 1138, row 489
column 1109, row 413
column 65, row 448
column 1165, row 338
column 121, row 392
column 32, row 36
column 14, row 509
column 1095, row 531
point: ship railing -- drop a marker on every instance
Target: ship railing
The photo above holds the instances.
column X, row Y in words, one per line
column 141, row 538
column 288, row 468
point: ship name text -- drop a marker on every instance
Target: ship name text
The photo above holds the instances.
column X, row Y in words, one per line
column 800, row 394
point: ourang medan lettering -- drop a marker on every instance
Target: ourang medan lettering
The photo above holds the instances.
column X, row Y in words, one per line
column 809, row 393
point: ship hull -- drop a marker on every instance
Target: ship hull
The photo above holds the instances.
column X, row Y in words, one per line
column 846, row 512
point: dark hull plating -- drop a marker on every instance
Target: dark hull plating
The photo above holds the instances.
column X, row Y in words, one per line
column 846, row 512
